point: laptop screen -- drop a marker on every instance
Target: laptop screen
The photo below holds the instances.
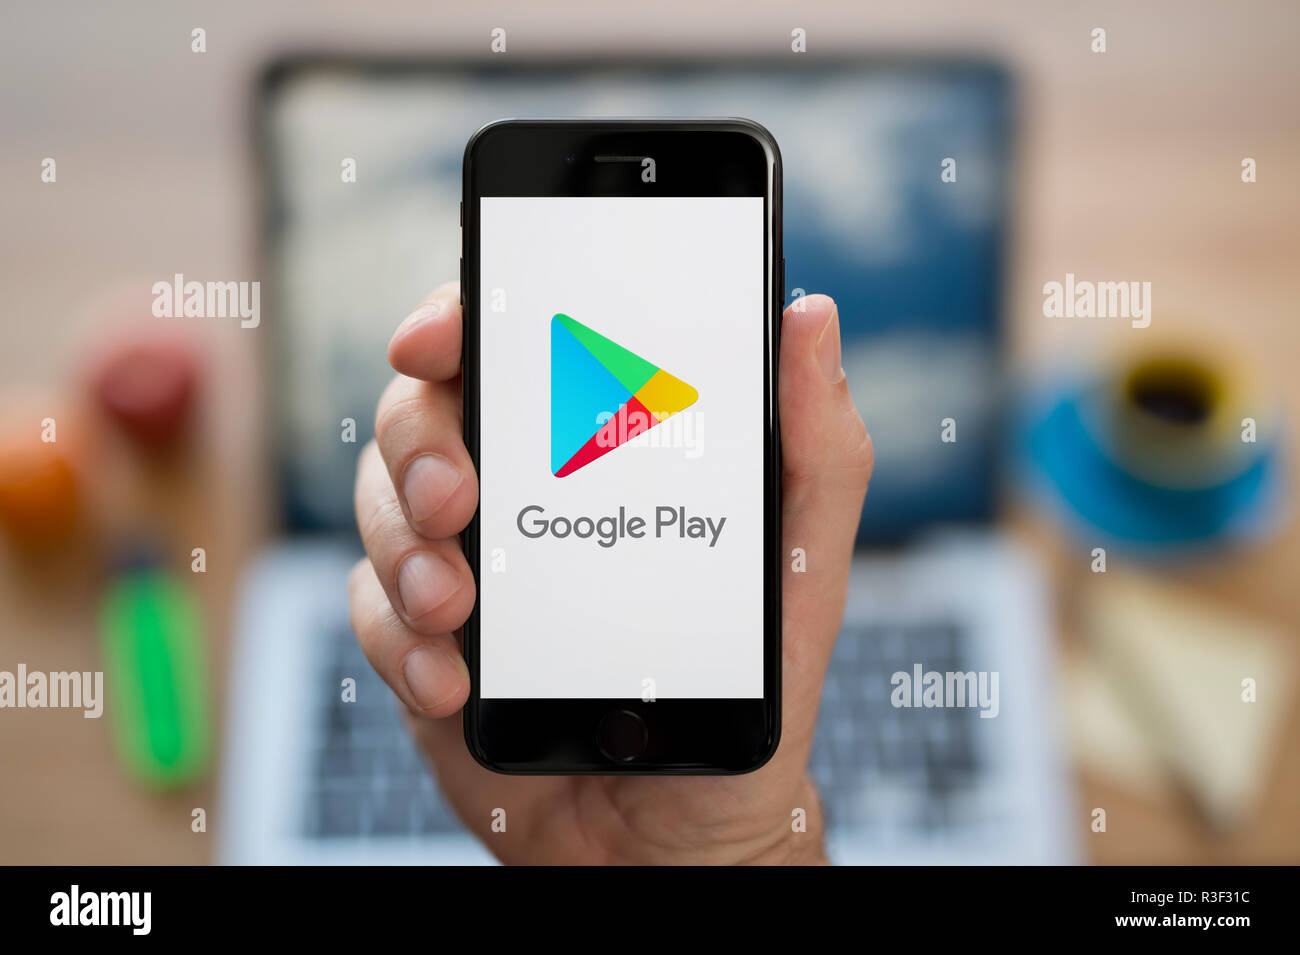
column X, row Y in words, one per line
column 895, row 204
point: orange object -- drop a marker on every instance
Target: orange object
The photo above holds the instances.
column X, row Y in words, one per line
column 38, row 491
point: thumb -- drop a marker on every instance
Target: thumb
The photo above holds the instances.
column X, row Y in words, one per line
column 826, row 463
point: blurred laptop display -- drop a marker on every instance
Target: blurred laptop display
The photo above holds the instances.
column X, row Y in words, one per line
column 915, row 265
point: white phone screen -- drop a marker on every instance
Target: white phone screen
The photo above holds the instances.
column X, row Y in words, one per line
column 622, row 429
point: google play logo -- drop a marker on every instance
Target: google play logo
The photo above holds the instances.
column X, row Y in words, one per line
column 592, row 376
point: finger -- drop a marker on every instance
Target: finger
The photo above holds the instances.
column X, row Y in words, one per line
column 427, row 582
column 826, row 464
column 427, row 343
column 426, row 672
column 417, row 429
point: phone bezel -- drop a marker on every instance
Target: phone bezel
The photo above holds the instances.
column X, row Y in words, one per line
column 693, row 157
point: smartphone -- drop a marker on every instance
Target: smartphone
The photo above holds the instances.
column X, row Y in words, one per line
column 622, row 284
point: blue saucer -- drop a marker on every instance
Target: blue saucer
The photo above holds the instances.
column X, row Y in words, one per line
column 1106, row 499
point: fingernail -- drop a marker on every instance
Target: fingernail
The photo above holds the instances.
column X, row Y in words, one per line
column 424, row 582
column 429, row 480
column 430, row 675
column 424, row 313
column 828, row 348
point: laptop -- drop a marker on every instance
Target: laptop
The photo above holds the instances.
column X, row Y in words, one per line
column 873, row 216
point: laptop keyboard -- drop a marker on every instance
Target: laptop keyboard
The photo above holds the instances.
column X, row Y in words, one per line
column 368, row 778
column 877, row 768
column 883, row 768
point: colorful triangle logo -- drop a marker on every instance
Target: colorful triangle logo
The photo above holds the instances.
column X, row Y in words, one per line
column 594, row 379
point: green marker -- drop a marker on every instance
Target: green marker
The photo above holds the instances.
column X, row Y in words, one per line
column 155, row 681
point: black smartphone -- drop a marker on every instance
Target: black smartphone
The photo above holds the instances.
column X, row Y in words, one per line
column 622, row 284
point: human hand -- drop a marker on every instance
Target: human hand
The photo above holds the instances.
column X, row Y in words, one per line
column 416, row 490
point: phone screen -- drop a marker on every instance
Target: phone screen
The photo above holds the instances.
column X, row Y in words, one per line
column 622, row 426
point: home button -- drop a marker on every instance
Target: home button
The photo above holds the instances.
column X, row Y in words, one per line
column 621, row 735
